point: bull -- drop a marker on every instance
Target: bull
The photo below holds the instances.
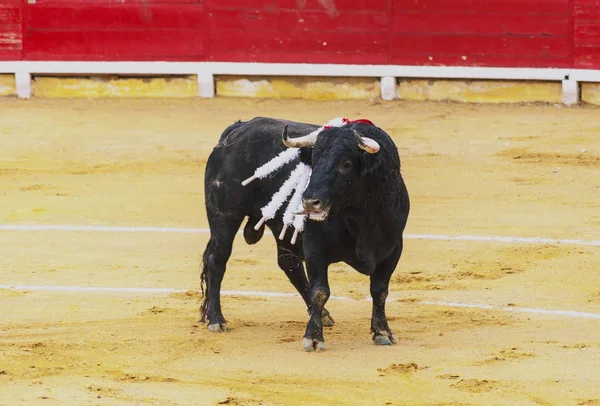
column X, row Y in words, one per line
column 356, row 202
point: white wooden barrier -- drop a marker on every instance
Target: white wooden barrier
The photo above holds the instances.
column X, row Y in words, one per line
column 205, row 71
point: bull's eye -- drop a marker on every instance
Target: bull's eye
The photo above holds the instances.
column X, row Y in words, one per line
column 345, row 166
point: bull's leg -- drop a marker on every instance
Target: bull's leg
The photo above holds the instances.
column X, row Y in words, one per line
column 214, row 261
column 380, row 281
column 293, row 268
column 319, row 294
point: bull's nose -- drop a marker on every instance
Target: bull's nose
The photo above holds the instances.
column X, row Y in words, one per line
column 311, row 204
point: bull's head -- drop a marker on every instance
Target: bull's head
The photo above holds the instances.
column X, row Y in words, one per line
column 338, row 158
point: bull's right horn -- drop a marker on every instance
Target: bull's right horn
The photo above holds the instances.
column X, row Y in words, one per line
column 366, row 144
column 305, row 141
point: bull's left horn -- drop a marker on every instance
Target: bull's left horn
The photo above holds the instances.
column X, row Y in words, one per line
column 305, row 141
column 366, row 144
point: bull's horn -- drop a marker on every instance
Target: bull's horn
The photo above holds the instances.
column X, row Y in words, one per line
column 305, row 141
column 366, row 144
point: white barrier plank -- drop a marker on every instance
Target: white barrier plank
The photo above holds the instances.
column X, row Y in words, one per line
column 284, row 69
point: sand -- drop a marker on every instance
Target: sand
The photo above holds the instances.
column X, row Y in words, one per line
column 518, row 170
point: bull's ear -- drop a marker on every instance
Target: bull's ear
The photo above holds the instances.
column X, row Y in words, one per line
column 306, row 155
column 370, row 164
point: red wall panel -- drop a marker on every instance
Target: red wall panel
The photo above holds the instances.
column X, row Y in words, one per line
column 11, row 41
column 481, row 51
column 310, row 47
column 114, row 46
column 330, row 6
column 140, row 3
column 484, row 23
column 587, row 34
column 294, row 20
column 94, row 30
column 114, row 17
column 342, row 31
column 518, row 33
column 482, row 6
column 527, row 33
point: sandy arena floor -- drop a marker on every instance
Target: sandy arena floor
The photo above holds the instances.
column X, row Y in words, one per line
column 526, row 171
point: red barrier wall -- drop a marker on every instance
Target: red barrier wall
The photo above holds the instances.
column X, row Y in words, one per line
column 348, row 31
column 529, row 33
column 586, row 33
column 11, row 43
column 515, row 33
column 95, row 30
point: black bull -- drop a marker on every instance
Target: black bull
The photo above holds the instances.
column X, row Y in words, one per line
column 359, row 195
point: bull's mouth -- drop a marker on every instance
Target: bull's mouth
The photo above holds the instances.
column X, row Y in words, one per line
column 315, row 215
column 319, row 215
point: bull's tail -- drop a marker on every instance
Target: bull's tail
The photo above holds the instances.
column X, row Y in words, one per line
column 204, row 284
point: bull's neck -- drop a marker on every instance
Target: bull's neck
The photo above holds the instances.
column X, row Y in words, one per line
column 376, row 212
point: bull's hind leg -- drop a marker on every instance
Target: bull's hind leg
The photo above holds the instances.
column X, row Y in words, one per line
column 293, row 268
column 214, row 262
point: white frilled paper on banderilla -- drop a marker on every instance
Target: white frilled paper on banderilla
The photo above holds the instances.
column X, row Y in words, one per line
column 283, row 158
column 297, row 183
column 295, row 206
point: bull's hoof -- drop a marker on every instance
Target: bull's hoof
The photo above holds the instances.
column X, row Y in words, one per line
column 381, row 339
column 326, row 318
column 218, row 328
column 311, row 344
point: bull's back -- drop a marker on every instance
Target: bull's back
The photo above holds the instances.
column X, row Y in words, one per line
column 258, row 140
column 243, row 147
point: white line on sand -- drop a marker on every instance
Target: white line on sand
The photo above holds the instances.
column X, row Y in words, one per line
column 549, row 312
column 439, row 237
column 91, row 289
column 102, row 289
column 110, row 229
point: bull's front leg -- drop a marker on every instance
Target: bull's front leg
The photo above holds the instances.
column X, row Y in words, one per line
column 319, row 294
column 380, row 281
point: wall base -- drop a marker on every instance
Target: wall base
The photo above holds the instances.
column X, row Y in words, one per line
column 590, row 93
column 8, row 86
column 313, row 88
column 480, row 91
column 57, row 87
